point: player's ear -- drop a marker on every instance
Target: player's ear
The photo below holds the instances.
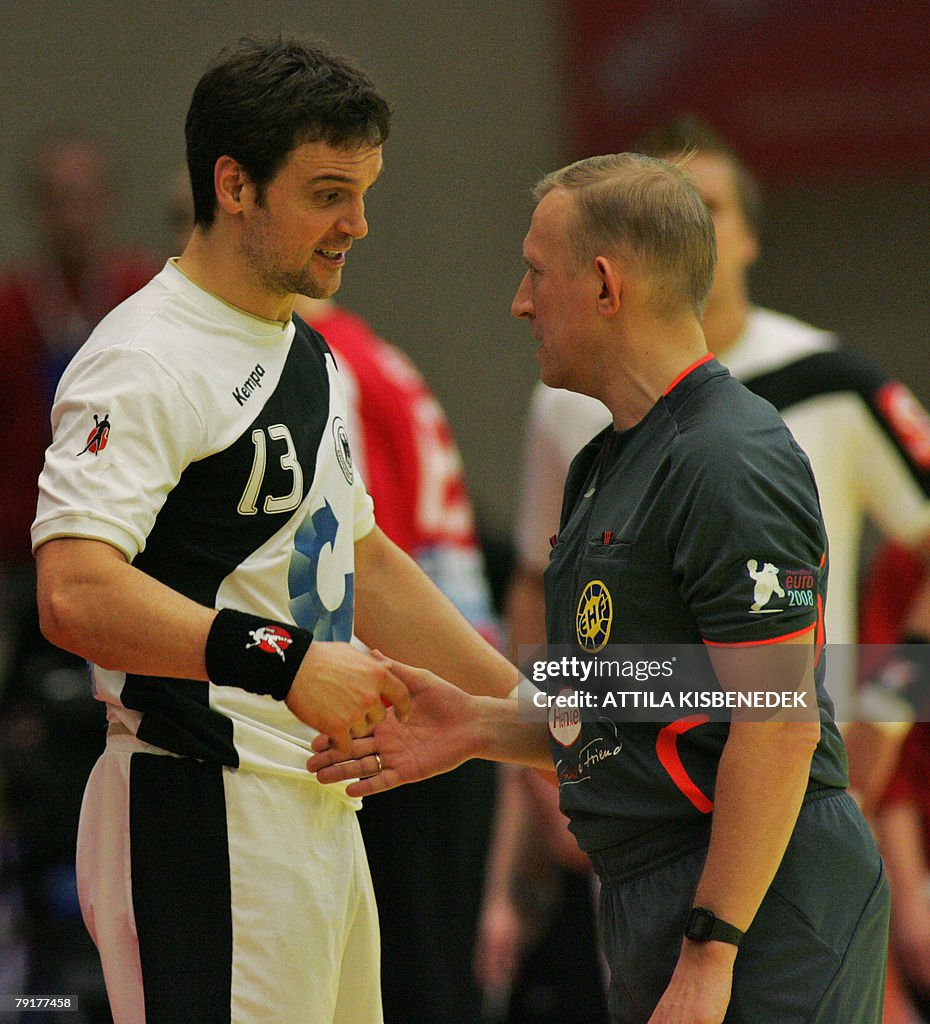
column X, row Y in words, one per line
column 610, row 284
column 229, row 182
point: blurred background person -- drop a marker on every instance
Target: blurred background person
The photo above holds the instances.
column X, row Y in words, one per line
column 893, row 606
column 426, row 843
column 903, row 829
column 866, row 436
column 49, row 303
column 51, row 728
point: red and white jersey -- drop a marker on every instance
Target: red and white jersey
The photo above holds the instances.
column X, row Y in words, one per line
column 405, row 451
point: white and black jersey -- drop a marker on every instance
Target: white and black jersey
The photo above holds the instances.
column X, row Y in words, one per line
column 209, row 446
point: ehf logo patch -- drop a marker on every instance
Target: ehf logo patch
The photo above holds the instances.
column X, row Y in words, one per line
column 270, row 640
column 774, row 591
column 594, row 616
column 343, row 451
column 99, row 435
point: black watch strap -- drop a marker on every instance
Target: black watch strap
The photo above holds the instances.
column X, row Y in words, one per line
column 704, row 926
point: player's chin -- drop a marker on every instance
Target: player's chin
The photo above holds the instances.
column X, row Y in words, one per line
column 318, row 289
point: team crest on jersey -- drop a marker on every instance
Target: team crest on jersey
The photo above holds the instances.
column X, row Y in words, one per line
column 773, row 590
column 594, row 616
column 908, row 419
column 99, row 435
column 343, row 451
column 271, row 640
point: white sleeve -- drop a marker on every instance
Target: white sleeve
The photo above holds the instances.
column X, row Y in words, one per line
column 890, row 490
column 364, row 508
column 112, row 490
column 559, row 424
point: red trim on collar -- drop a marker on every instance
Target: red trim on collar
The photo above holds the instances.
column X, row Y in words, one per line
column 684, row 373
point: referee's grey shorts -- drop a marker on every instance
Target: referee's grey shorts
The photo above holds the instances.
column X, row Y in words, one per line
column 815, row 952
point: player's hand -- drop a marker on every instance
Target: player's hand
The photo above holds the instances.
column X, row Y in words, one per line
column 343, row 692
column 700, row 989
column 438, row 736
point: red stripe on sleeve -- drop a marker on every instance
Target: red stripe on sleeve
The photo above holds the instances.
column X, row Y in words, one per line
column 774, row 639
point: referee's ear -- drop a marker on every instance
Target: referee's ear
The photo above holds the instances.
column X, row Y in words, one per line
column 611, row 285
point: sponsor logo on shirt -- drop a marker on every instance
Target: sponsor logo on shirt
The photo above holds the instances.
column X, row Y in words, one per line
column 99, row 436
column 579, row 765
column 564, row 722
column 343, row 452
column 250, row 385
column 594, row 616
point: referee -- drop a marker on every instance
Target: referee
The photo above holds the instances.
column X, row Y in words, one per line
column 740, row 882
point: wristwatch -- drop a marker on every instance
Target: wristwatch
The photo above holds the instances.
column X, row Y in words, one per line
column 704, row 926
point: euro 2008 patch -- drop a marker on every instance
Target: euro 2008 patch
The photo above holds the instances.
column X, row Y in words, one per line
column 775, row 590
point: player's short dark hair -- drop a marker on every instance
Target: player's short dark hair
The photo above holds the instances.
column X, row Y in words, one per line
column 260, row 99
column 687, row 133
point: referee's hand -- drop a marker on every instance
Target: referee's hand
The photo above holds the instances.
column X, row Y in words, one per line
column 439, row 735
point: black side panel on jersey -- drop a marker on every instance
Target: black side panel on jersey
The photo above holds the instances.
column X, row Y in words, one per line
column 829, row 373
column 200, row 536
column 178, row 718
column 181, row 889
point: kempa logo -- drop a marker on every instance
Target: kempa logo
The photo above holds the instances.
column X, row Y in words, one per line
column 251, row 384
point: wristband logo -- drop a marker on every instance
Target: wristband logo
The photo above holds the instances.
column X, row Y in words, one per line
column 271, row 640
column 594, row 616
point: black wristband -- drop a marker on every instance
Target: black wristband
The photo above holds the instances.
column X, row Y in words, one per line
column 255, row 654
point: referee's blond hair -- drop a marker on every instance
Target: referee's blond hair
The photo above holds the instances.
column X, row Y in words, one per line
column 644, row 212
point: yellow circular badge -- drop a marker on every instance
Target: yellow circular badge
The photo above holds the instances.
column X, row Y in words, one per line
column 594, row 616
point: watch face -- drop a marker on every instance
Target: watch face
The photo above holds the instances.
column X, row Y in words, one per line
column 700, row 924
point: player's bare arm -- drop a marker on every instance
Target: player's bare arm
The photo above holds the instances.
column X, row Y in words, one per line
column 94, row 603
column 400, row 612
